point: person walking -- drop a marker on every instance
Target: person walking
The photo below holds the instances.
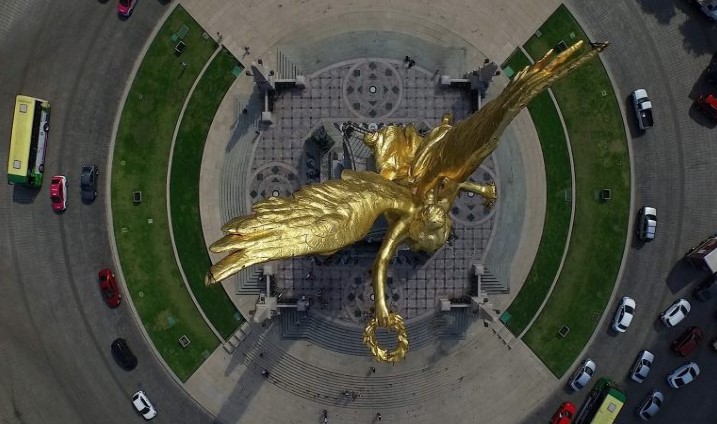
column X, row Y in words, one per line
column 378, row 416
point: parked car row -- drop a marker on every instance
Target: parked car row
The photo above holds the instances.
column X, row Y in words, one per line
column 88, row 187
column 683, row 346
column 120, row 349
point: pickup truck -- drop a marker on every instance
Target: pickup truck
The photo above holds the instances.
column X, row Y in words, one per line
column 704, row 255
column 643, row 109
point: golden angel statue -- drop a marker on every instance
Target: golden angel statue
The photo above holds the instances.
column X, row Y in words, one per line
column 417, row 181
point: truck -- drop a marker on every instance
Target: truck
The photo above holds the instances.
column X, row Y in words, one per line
column 704, row 255
column 643, row 109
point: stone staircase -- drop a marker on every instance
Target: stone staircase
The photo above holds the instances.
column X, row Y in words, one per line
column 490, row 284
column 311, row 382
column 347, row 339
column 285, row 67
column 252, row 283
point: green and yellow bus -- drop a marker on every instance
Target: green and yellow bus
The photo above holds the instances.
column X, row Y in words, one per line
column 602, row 405
column 28, row 142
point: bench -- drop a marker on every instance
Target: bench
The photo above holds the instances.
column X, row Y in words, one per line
column 180, row 34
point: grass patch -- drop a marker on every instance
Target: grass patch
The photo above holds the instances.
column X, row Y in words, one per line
column 557, row 214
column 516, row 62
column 140, row 163
column 597, row 138
column 184, row 191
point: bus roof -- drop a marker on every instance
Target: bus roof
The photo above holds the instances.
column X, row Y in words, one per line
column 17, row 161
column 609, row 408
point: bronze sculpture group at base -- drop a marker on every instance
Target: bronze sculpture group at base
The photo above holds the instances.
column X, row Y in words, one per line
column 417, row 181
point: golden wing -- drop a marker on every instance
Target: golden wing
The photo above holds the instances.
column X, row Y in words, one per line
column 320, row 218
column 458, row 153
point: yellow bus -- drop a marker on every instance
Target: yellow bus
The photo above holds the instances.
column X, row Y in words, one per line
column 602, row 405
column 28, row 142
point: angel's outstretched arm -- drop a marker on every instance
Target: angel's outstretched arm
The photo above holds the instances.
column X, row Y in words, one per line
column 470, row 141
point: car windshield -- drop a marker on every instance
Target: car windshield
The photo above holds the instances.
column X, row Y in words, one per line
column 85, row 180
column 629, row 309
column 124, row 2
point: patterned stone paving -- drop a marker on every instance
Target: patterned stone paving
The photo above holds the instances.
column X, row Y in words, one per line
column 368, row 92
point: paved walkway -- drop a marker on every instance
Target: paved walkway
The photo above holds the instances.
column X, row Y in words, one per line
column 462, row 381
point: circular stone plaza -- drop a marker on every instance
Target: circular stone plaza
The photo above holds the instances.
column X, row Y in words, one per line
column 355, row 66
column 283, row 341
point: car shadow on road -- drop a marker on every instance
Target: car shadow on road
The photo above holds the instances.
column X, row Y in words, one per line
column 682, row 275
column 24, row 195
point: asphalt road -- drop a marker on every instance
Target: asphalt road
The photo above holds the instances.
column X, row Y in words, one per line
column 663, row 46
column 55, row 331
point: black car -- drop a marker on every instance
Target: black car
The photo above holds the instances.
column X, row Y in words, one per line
column 88, row 182
column 123, row 355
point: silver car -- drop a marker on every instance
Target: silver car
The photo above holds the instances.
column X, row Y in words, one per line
column 143, row 405
column 651, row 405
column 646, row 223
column 624, row 314
column 582, row 375
column 676, row 312
column 641, row 368
column 683, row 375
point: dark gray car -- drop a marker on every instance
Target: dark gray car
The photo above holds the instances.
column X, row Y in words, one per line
column 707, row 289
column 88, row 182
column 123, row 355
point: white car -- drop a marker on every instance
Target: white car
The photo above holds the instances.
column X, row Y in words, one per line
column 651, row 405
column 624, row 314
column 676, row 312
column 642, row 366
column 143, row 405
column 683, row 375
column 582, row 375
column 646, row 223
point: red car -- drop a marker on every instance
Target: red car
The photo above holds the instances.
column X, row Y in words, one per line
column 125, row 7
column 58, row 193
column 688, row 341
column 564, row 414
column 108, row 287
column 708, row 104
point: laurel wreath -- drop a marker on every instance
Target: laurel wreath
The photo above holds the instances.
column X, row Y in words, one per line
column 395, row 324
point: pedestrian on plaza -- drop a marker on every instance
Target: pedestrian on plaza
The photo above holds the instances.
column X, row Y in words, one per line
column 411, row 63
column 378, row 416
column 265, row 373
column 373, row 370
column 406, row 59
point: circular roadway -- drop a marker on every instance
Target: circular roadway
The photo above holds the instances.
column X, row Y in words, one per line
column 55, row 361
column 54, row 356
